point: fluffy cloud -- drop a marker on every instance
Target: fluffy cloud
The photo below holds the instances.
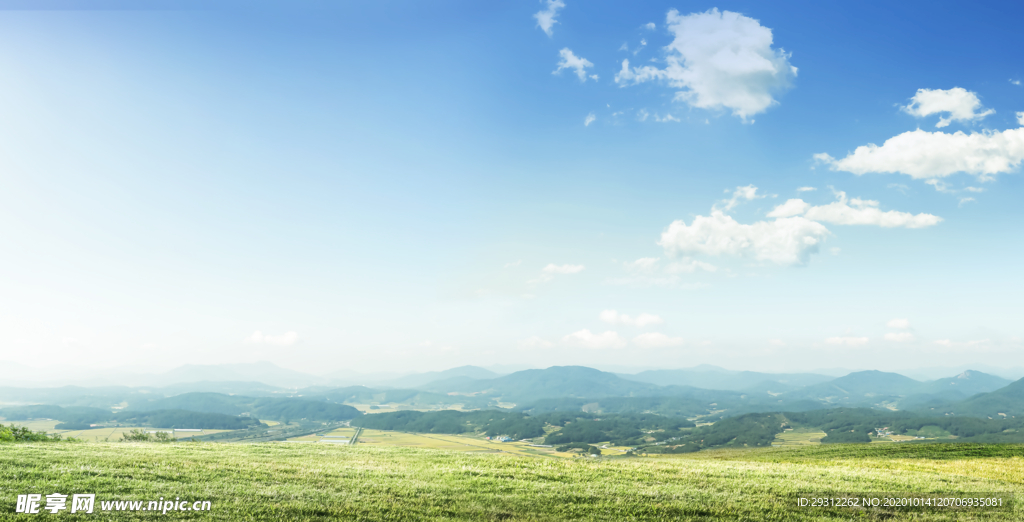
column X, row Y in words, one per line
column 855, row 211
column 578, row 64
column 899, row 337
column 806, row 189
column 546, row 18
column 613, row 317
column 959, row 103
column 586, row 339
column 719, row 60
column 656, row 340
column 285, row 339
column 1020, row 118
column 847, row 341
column 902, row 324
column 792, row 207
column 589, row 119
column 786, row 241
column 925, row 155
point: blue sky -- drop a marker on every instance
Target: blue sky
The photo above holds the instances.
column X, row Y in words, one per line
column 414, row 186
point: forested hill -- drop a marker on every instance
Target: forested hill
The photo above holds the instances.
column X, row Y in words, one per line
column 571, row 426
column 276, row 408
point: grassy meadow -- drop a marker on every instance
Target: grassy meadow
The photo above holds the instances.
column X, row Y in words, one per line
column 375, row 481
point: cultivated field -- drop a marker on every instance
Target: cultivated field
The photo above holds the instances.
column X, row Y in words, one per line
column 381, row 482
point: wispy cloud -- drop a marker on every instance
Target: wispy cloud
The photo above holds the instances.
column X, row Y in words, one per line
column 546, row 18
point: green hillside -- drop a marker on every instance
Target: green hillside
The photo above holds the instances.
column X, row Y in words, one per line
column 1008, row 401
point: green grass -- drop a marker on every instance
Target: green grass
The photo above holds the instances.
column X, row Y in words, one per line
column 322, row 482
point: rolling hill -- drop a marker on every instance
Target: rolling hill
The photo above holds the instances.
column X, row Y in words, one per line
column 715, row 378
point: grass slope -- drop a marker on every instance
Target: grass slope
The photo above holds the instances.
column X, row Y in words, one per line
column 321, row 482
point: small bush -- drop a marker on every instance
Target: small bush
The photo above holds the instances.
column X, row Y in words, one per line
column 14, row 433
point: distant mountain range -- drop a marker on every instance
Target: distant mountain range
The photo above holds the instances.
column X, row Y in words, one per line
column 699, row 391
column 715, row 378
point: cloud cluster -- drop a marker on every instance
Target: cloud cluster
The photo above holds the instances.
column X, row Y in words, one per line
column 854, row 211
column 285, row 339
column 785, row 241
column 578, row 64
column 795, row 233
column 719, row 60
column 958, row 103
column 546, row 17
column 613, row 317
column 930, row 155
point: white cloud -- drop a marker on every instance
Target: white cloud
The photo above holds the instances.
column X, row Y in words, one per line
column 586, row 339
column 1020, row 118
column 719, row 60
column 656, row 340
column 563, row 269
column 666, row 118
column 792, row 207
column 642, row 320
column 806, row 189
column 965, row 200
column 549, row 272
column 902, row 324
column 546, row 18
column 847, row 341
column 642, row 115
column 785, row 241
column 865, row 212
column 959, row 103
column 589, row 119
column 923, row 155
column 899, row 337
column 1015, row 82
column 285, row 339
column 650, row 27
column 944, row 342
column 747, row 193
column 578, row 64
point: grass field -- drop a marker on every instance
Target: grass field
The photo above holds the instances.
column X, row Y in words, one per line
column 798, row 437
column 380, row 482
column 454, row 443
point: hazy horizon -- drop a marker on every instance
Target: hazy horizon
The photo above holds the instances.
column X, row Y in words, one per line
column 522, row 184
